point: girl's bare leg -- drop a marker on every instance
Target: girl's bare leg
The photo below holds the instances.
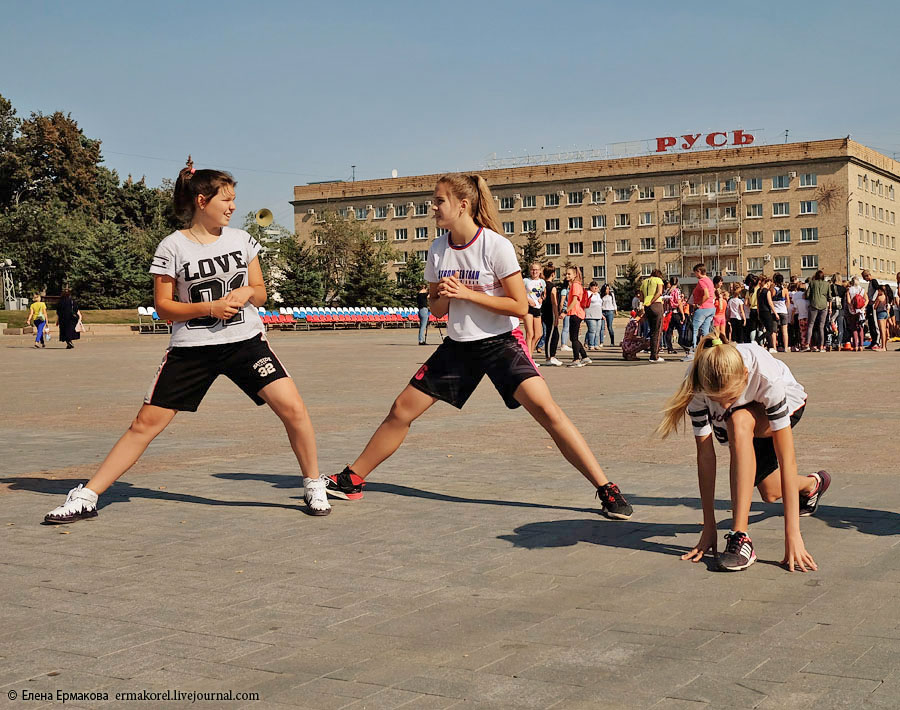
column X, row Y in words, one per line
column 147, row 425
column 534, row 395
column 529, row 332
column 284, row 399
column 409, row 406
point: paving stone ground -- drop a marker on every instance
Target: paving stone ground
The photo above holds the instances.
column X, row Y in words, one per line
column 476, row 572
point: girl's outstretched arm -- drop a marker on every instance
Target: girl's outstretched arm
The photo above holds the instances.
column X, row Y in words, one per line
column 706, row 474
column 795, row 553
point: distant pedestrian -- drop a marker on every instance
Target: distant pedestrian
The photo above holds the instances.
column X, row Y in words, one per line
column 68, row 319
column 37, row 314
column 536, row 290
column 651, row 300
column 704, row 298
column 609, row 307
column 424, row 313
column 817, row 293
column 550, row 318
column 593, row 317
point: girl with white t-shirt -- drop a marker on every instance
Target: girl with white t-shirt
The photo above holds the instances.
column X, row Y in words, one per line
column 474, row 278
column 750, row 401
column 857, row 300
column 214, row 271
column 536, row 290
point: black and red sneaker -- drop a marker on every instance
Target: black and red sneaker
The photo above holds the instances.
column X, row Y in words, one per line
column 809, row 502
column 346, row 485
column 739, row 553
column 614, row 504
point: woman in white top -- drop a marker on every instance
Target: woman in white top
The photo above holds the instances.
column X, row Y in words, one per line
column 608, row 307
column 857, row 300
column 593, row 314
column 214, row 272
column 536, row 290
column 474, row 278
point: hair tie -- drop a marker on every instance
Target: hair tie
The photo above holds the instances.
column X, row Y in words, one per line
column 190, row 164
column 716, row 341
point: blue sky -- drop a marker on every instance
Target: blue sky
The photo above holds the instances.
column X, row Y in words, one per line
column 282, row 93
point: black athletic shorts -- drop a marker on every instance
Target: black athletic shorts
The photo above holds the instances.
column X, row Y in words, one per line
column 766, row 459
column 454, row 370
column 534, row 311
column 186, row 374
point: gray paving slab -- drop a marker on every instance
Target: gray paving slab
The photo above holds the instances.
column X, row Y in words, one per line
column 476, row 572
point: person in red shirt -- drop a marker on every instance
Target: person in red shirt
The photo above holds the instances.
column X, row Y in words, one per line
column 704, row 300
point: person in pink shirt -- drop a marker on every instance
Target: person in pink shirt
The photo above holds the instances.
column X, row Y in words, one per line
column 704, row 299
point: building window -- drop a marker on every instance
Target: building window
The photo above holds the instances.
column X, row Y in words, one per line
column 509, row 227
column 754, row 211
column 673, row 268
column 598, row 197
column 729, row 185
column 422, row 232
column 646, row 219
column 648, row 244
column 599, row 272
column 623, row 194
column 620, row 271
column 343, row 213
column 598, row 221
column 753, row 184
column 671, row 190
column 381, row 212
column 808, row 180
column 754, row 238
column 623, row 220
column 576, row 223
column 529, row 201
column 551, row 225
column 782, row 263
column 647, row 269
column 809, row 207
column 860, row 208
column 623, row 246
column 781, row 236
column 400, row 210
column 507, row 203
column 597, row 246
column 529, row 225
column 400, row 235
column 380, row 235
column 781, row 182
column 809, row 261
column 551, row 200
column 673, row 242
column 781, row 209
column 551, row 249
column 576, row 248
column 755, row 264
column 809, row 234
column 670, row 217
column 881, row 214
column 422, row 209
column 401, row 258
column 646, row 192
column 859, row 181
column 576, row 198
column 860, row 235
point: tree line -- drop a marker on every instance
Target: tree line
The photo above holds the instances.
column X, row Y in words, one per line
column 67, row 220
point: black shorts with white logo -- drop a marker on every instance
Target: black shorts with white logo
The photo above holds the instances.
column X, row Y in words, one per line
column 186, row 374
column 454, row 370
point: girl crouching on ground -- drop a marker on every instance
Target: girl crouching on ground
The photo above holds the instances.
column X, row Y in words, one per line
column 474, row 277
column 751, row 401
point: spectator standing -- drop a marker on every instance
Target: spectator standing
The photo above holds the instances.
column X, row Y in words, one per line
column 737, row 314
column 651, row 299
column 37, row 314
column 593, row 314
column 673, row 305
column 68, row 319
column 857, row 300
column 609, row 307
column 835, row 326
column 424, row 313
column 880, row 306
column 704, row 298
column 801, row 305
column 780, row 310
column 818, row 311
column 871, row 285
column 535, row 289
column 575, row 311
column 550, row 317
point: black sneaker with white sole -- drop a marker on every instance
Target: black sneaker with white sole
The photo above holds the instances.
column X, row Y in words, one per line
column 346, row 485
column 738, row 553
column 613, row 502
column 81, row 504
column 809, row 502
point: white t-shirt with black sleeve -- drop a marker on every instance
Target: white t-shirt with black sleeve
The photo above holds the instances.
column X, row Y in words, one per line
column 204, row 273
column 479, row 265
column 769, row 382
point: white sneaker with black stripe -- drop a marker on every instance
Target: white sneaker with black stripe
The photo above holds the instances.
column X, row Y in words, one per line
column 315, row 496
column 81, row 504
column 738, row 553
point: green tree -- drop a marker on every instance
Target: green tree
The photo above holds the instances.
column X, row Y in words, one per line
column 42, row 241
column 627, row 286
column 410, row 279
column 367, row 282
column 335, row 239
column 531, row 251
column 298, row 276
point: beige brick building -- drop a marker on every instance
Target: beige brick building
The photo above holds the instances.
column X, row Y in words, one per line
column 790, row 208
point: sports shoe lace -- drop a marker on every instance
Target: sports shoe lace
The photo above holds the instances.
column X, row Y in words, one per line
column 611, row 494
column 733, row 542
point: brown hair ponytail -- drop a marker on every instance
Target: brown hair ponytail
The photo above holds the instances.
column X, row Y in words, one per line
column 192, row 183
column 474, row 188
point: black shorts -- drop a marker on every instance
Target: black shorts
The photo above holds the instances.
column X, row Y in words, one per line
column 534, row 312
column 781, row 319
column 767, row 318
column 766, row 459
column 186, row 374
column 454, row 370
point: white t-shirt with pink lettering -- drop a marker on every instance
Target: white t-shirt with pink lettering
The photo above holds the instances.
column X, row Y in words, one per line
column 479, row 265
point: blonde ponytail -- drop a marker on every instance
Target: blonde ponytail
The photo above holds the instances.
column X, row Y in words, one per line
column 718, row 370
column 474, row 188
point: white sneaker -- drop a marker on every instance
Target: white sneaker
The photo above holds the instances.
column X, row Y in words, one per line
column 689, row 357
column 567, row 348
column 659, row 359
column 772, row 350
column 81, row 504
column 586, row 361
column 315, row 497
column 554, row 362
column 577, row 363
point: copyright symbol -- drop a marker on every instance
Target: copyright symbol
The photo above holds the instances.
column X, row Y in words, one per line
column 12, row 695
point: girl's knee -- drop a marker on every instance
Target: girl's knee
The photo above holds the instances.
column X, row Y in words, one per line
column 147, row 423
column 401, row 413
column 770, row 496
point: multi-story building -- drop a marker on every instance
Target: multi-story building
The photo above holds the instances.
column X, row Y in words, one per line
column 791, row 208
